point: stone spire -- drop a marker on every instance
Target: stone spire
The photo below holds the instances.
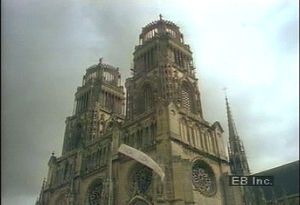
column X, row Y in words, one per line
column 231, row 126
column 236, row 151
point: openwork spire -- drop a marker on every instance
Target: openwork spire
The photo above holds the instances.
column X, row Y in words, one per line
column 237, row 156
column 233, row 134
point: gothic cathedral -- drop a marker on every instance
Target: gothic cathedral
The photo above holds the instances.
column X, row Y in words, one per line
column 162, row 118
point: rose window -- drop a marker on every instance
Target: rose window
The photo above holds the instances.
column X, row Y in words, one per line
column 203, row 178
column 95, row 194
column 140, row 178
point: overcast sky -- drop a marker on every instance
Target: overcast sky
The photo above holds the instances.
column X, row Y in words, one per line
column 250, row 47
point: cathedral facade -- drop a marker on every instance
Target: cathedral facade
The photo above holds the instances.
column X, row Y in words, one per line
column 162, row 119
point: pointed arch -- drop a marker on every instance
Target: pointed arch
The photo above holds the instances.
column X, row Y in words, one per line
column 148, row 97
column 183, row 129
column 145, row 98
column 153, row 132
column 191, row 134
column 139, row 180
column 197, row 136
column 138, row 200
column 202, row 136
column 205, row 140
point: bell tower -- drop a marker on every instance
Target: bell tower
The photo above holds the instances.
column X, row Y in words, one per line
column 164, row 119
column 160, row 60
column 100, row 97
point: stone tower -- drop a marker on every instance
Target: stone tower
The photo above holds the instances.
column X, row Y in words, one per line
column 98, row 110
column 163, row 97
column 98, row 99
column 164, row 120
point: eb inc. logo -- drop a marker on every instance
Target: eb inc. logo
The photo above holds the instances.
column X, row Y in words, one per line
column 251, row 180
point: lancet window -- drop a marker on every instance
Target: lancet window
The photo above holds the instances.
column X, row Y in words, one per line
column 83, row 102
column 187, row 98
column 183, row 130
column 146, row 99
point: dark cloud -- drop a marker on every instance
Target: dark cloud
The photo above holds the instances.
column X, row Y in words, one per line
column 119, row 25
column 47, row 47
column 34, row 71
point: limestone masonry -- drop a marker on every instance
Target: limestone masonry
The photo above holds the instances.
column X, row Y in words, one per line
column 163, row 118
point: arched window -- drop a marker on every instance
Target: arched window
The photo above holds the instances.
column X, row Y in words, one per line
column 139, row 138
column 145, row 100
column 211, row 142
column 187, row 98
column 140, row 179
column 192, row 136
column 201, row 138
column 152, row 132
column 95, row 192
column 147, row 136
column 205, row 141
column 183, row 130
column 147, row 97
column 77, row 136
column 197, row 136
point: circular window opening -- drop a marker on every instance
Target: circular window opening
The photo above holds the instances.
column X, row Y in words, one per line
column 140, row 180
column 203, row 178
column 95, row 193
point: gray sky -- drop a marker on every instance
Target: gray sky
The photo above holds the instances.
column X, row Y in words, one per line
column 250, row 47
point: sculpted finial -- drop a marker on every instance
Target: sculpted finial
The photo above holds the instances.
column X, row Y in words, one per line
column 160, row 17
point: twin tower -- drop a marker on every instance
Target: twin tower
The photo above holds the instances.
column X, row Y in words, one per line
column 160, row 116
